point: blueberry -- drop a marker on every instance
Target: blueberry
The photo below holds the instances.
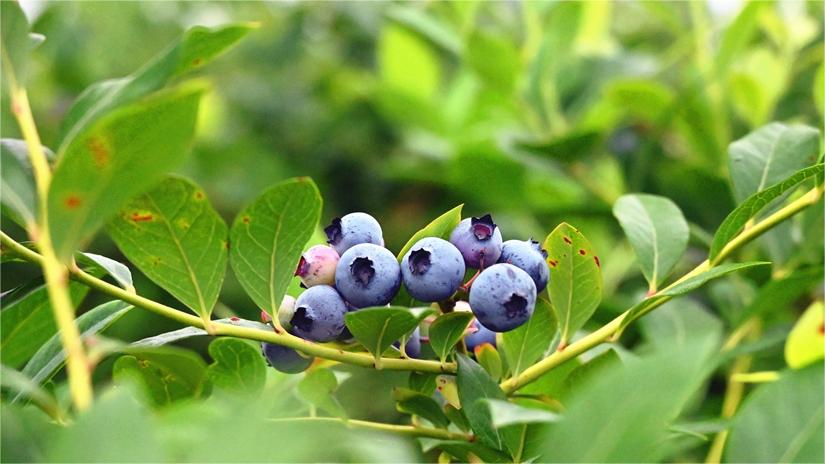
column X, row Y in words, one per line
column 285, row 359
column 481, row 336
column 478, row 240
column 528, row 256
column 503, row 297
column 432, row 269
column 368, row 275
column 350, row 230
column 317, row 266
column 319, row 314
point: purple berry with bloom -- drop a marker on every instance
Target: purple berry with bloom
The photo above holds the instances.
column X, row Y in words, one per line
column 478, row 240
column 529, row 256
column 350, row 230
column 503, row 297
column 317, row 266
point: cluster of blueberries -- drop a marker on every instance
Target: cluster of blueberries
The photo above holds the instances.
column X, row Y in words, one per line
column 356, row 271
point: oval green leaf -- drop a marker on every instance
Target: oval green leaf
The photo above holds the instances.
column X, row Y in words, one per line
column 167, row 373
column 377, row 328
column 447, row 330
column 575, row 286
column 805, row 343
column 657, row 231
column 414, row 402
column 268, row 237
column 238, row 367
column 175, row 237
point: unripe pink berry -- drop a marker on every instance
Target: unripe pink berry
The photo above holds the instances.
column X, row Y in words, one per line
column 317, row 266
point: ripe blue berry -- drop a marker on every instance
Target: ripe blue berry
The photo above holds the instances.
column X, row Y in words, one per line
column 528, row 256
column 481, row 336
column 319, row 314
column 478, row 240
column 368, row 275
column 285, row 359
column 350, row 230
column 317, row 266
column 503, row 297
column 432, row 269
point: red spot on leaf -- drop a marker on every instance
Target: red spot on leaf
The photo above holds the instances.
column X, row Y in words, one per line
column 234, row 319
column 137, row 217
column 72, row 202
column 598, row 263
column 553, row 263
column 100, row 152
column 567, row 240
column 582, row 252
column 562, row 346
column 822, row 329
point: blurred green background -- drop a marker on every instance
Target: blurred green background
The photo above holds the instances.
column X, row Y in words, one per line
column 537, row 112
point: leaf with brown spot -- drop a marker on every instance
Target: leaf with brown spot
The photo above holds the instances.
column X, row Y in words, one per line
column 188, row 262
column 575, row 286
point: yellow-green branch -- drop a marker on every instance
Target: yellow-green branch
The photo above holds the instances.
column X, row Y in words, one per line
column 410, row 430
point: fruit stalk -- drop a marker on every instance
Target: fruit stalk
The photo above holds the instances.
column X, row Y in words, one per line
column 409, row 430
column 55, row 273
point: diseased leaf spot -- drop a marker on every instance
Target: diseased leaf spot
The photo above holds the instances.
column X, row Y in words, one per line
column 245, row 219
column 822, row 329
column 183, row 224
column 598, row 263
column 553, row 263
column 567, row 240
column 225, row 244
column 72, row 202
column 582, row 252
column 138, row 216
column 198, row 195
column 197, row 62
column 100, row 152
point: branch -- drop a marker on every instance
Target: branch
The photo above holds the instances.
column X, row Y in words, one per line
column 283, row 338
column 77, row 365
column 410, row 430
column 606, row 332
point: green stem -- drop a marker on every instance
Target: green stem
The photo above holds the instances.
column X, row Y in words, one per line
column 283, row 338
column 607, row 332
column 409, row 430
column 55, row 273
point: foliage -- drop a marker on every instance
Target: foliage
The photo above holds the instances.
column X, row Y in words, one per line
column 683, row 228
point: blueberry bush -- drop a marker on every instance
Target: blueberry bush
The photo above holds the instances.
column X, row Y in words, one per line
column 593, row 232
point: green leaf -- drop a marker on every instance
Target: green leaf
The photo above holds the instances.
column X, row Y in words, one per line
column 198, row 46
column 447, row 330
column 749, row 208
column 268, row 237
column 18, row 193
column 490, row 360
column 505, row 413
column 27, row 323
column 25, row 387
column 413, row 402
column 648, row 393
column 441, row 227
column 474, row 387
column 189, row 332
column 117, row 270
column 422, row 382
column 318, row 387
column 407, row 63
column 781, row 421
column 15, row 42
column 805, row 342
column 495, row 59
column 239, row 368
column 167, row 373
column 737, row 36
column 125, row 153
column 51, row 357
column 175, row 237
column 575, row 278
column 551, row 383
column 657, row 230
column 427, row 26
column 377, row 328
column 526, row 344
column 581, row 375
column 688, row 285
column 770, row 154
